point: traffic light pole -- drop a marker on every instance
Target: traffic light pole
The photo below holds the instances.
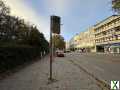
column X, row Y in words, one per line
column 51, row 52
column 54, row 28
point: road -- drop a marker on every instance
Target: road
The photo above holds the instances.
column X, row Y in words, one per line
column 75, row 71
column 105, row 67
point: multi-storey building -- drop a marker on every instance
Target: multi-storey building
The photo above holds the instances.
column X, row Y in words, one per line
column 84, row 41
column 107, row 35
column 102, row 37
column 71, row 44
column 67, row 46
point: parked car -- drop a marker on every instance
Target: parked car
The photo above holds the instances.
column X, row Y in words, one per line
column 60, row 53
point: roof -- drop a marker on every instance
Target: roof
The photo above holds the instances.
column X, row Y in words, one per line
column 106, row 20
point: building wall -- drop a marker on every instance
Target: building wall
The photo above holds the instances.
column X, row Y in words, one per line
column 67, row 45
column 107, row 34
column 102, row 37
column 71, row 44
column 84, row 40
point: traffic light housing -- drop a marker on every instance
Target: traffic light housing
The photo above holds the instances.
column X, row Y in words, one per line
column 55, row 24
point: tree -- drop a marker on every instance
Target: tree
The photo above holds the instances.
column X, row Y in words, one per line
column 58, row 42
column 34, row 37
column 4, row 10
column 116, row 5
column 15, row 30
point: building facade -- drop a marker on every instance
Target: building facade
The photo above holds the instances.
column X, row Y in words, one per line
column 107, row 35
column 102, row 37
column 84, row 41
column 67, row 46
column 71, row 44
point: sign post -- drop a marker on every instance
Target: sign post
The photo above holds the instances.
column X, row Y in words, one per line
column 54, row 29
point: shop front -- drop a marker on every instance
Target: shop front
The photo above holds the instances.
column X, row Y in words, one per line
column 112, row 48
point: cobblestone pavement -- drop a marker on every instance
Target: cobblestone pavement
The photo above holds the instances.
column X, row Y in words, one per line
column 66, row 76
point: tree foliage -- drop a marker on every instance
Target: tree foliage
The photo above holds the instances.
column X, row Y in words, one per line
column 116, row 5
column 4, row 10
column 20, row 42
column 59, row 42
column 15, row 30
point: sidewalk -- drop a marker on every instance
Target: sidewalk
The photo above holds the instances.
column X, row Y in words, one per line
column 35, row 77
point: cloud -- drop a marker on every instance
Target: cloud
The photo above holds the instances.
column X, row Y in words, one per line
column 69, row 10
column 59, row 7
column 21, row 9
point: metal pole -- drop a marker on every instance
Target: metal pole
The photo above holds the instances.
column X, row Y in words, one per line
column 51, row 51
column 54, row 28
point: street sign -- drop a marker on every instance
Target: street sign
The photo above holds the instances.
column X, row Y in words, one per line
column 55, row 24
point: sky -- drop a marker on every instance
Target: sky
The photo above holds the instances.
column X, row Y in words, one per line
column 76, row 15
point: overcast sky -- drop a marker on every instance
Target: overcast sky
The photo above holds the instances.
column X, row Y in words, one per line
column 76, row 15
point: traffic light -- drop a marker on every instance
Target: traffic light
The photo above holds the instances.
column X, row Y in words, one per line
column 55, row 24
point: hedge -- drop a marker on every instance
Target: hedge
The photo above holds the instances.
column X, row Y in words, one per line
column 11, row 57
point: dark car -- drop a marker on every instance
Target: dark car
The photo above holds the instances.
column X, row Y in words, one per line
column 67, row 51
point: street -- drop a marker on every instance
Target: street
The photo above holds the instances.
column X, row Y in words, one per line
column 75, row 71
column 103, row 66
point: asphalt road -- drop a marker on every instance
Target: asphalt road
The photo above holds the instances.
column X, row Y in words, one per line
column 105, row 67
